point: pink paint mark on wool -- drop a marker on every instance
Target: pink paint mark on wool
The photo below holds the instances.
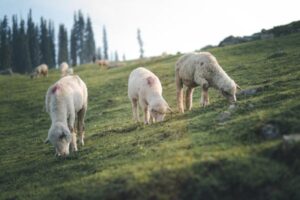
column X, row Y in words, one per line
column 150, row 81
column 55, row 88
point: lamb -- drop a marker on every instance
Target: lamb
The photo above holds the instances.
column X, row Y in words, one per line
column 66, row 100
column 41, row 70
column 145, row 87
column 201, row 69
column 63, row 68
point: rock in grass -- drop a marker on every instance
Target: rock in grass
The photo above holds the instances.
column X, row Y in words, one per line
column 232, row 107
column 290, row 140
column 248, row 91
column 250, row 106
column 276, row 54
column 270, row 131
column 224, row 116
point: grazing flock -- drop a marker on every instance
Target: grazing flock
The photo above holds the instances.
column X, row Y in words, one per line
column 67, row 99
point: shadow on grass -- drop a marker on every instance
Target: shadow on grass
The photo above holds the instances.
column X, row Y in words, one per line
column 241, row 178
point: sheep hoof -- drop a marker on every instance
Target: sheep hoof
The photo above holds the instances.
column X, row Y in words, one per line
column 204, row 104
column 81, row 143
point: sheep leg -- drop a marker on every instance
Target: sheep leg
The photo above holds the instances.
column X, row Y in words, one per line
column 71, row 128
column 135, row 110
column 204, row 97
column 81, row 125
column 146, row 115
column 204, row 101
column 152, row 120
column 74, row 139
column 189, row 98
column 179, row 88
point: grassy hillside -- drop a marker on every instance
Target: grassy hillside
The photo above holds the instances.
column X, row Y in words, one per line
column 189, row 156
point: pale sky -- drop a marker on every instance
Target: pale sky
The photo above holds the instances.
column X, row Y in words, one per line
column 166, row 25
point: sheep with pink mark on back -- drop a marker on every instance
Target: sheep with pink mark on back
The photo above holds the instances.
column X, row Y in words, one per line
column 65, row 101
column 145, row 87
column 201, row 69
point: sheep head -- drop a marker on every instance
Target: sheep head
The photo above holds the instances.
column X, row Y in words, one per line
column 158, row 111
column 60, row 137
column 229, row 91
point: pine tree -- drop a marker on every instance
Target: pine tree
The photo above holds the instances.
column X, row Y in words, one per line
column 62, row 44
column 14, row 42
column 45, row 43
column 80, row 37
column 99, row 54
column 89, row 47
column 51, row 36
column 140, row 41
column 105, row 45
column 5, row 48
column 23, row 63
column 116, row 56
column 33, row 41
column 111, row 58
column 73, row 43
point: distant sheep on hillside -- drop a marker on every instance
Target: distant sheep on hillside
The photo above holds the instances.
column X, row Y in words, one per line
column 103, row 63
column 41, row 70
column 202, row 69
column 65, row 101
column 144, row 87
column 64, row 69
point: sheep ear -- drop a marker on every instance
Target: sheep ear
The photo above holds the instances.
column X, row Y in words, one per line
column 46, row 141
column 238, row 87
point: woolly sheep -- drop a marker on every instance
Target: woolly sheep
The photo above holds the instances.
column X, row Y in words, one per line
column 66, row 100
column 64, row 68
column 41, row 70
column 144, row 87
column 201, row 69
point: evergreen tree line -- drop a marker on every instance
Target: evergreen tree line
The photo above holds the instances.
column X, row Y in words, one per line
column 25, row 44
column 82, row 47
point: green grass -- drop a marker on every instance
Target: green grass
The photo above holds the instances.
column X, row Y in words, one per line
column 189, row 156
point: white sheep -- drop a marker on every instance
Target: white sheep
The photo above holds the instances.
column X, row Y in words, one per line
column 63, row 69
column 103, row 63
column 201, row 69
column 144, row 87
column 65, row 101
column 41, row 70
column 70, row 71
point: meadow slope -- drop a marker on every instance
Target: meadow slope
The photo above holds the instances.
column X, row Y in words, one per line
column 189, row 156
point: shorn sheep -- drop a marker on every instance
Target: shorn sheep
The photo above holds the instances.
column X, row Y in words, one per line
column 41, row 70
column 103, row 63
column 66, row 100
column 201, row 69
column 64, row 69
column 144, row 87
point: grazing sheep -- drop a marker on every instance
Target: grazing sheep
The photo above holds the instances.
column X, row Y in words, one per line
column 201, row 69
column 41, row 70
column 144, row 87
column 103, row 63
column 64, row 69
column 65, row 101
